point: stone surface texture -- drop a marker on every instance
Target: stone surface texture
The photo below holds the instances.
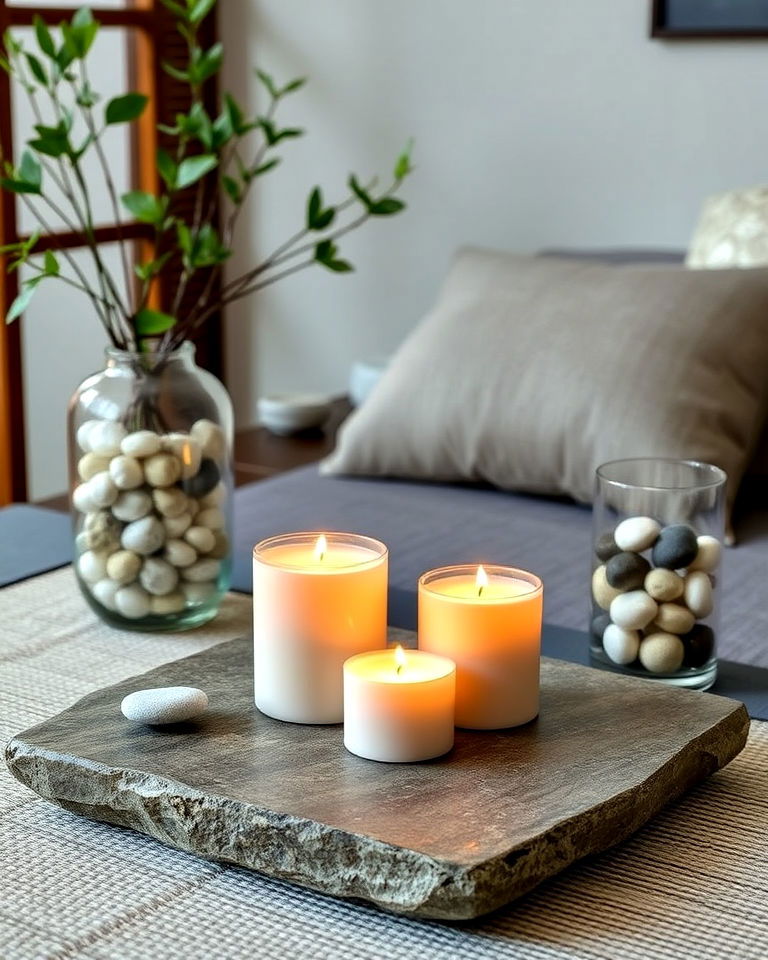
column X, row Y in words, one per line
column 449, row 839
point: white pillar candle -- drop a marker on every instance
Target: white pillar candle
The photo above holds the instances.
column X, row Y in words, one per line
column 399, row 705
column 318, row 599
column 488, row 620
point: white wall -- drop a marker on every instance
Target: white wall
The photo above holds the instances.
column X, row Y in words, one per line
column 537, row 124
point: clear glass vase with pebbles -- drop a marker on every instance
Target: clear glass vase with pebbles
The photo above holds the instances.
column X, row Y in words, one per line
column 658, row 530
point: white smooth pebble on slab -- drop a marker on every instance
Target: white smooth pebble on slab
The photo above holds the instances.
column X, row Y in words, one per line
column 164, row 705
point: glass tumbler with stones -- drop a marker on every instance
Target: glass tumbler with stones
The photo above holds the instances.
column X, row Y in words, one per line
column 658, row 529
column 150, row 449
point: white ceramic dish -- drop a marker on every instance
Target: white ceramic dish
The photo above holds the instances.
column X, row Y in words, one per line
column 286, row 413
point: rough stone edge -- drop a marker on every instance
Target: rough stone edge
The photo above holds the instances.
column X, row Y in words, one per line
column 329, row 859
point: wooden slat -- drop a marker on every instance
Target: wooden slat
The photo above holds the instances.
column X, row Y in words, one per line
column 106, row 234
column 136, row 16
column 13, row 474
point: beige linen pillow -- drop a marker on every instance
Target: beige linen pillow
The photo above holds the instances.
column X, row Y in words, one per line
column 530, row 372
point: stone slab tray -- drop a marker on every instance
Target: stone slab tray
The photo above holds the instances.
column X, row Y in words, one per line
column 453, row 838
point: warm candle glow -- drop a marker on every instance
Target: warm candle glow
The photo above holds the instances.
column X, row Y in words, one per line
column 399, row 659
column 186, row 454
column 481, row 580
column 320, row 547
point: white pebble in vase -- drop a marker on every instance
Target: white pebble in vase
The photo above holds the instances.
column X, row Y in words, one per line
column 105, row 438
column 144, row 536
column 132, row 601
column 132, row 505
column 164, row 705
column 708, row 556
column 620, row 645
column 141, row 443
column 637, row 534
column 633, row 610
column 698, row 594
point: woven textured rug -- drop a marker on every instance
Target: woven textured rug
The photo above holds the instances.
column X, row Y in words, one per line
column 693, row 883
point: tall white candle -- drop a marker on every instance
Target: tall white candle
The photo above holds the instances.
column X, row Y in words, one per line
column 399, row 705
column 318, row 599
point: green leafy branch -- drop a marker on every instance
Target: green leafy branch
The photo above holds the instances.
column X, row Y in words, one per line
column 206, row 156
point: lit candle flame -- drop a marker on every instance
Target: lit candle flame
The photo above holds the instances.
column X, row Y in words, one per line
column 320, row 547
column 399, row 659
column 186, row 455
column 481, row 580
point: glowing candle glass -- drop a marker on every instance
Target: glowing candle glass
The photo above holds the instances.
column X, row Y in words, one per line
column 317, row 600
column 399, row 705
column 488, row 620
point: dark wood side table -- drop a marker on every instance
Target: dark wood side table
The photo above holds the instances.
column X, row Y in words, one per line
column 260, row 454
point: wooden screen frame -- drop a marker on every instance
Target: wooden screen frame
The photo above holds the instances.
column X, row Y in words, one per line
column 151, row 26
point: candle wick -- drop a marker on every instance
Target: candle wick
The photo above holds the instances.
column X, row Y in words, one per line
column 399, row 669
column 480, row 590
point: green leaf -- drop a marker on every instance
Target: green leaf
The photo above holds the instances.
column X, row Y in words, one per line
column 181, row 75
column 145, row 271
column 207, row 249
column 403, row 163
column 198, row 124
column 146, row 207
column 193, row 168
column 222, row 130
column 317, row 217
column 30, row 171
column 184, row 235
column 293, row 86
column 18, row 186
column 166, row 167
column 233, row 189
column 264, row 168
column 64, row 57
column 325, row 253
column 200, row 10
column 269, row 84
column 79, row 34
column 177, row 9
column 272, row 135
column 44, row 38
column 361, row 194
column 204, row 65
column 51, row 264
column 235, row 113
column 125, row 108
column 82, row 18
column 314, row 206
column 21, row 302
column 151, row 322
column 386, row 207
column 51, row 147
column 37, row 69
column 10, row 42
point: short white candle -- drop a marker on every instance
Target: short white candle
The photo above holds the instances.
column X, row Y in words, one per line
column 318, row 599
column 399, row 705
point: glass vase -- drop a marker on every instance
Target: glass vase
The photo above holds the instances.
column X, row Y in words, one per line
column 150, row 459
column 658, row 529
